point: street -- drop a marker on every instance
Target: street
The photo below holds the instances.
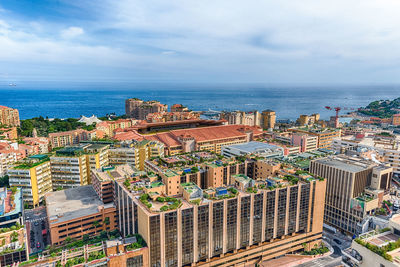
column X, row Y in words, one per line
column 37, row 229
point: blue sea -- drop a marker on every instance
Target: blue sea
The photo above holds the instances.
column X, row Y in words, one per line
column 74, row 100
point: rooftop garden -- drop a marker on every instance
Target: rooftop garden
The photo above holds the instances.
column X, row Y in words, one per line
column 27, row 164
column 293, row 180
column 381, row 251
column 172, row 203
column 140, row 243
column 71, row 243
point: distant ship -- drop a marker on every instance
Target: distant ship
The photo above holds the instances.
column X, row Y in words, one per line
column 12, row 84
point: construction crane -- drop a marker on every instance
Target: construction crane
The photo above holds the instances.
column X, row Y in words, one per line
column 337, row 109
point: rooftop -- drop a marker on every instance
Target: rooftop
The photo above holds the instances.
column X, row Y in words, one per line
column 255, row 147
column 346, row 163
column 72, row 203
column 70, row 151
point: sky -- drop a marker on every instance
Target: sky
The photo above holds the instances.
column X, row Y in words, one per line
column 263, row 41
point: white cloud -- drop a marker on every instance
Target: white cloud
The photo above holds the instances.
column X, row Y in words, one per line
column 247, row 40
column 72, row 32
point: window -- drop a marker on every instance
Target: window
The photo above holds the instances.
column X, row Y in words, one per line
column 135, row 261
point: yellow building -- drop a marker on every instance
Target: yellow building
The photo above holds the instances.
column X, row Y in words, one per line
column 145, row 150
column 268, row 119
column 96, row 157
column 33, row 176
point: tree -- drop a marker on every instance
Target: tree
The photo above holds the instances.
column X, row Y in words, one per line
column 85, row 237
column 107, row 221
column 4, row 181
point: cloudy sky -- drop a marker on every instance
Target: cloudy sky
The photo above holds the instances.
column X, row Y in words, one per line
column 286, row 41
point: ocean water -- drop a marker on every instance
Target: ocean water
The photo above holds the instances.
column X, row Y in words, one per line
column 64, row 101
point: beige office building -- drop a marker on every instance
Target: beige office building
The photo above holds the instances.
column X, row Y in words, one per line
column 355, row 188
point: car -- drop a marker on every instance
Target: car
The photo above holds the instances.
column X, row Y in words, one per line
column 36, row 223
column 337, row 241
column 38, row 244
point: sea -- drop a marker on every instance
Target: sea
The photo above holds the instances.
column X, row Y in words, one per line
column 75, row 99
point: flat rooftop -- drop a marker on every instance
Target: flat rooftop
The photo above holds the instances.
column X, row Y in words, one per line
column 254, row 147
column 346, row 163
column 72, row 203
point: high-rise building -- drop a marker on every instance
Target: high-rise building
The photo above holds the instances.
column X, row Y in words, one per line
column 9, row 116
column 252, row 118
column 33, row 176
column 355, row 188
column 238, row 224
column 268, row 118
column 69, row 168
column 139, row 109
column 305, row 120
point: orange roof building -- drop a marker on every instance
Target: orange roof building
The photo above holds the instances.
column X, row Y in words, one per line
column 205, row 138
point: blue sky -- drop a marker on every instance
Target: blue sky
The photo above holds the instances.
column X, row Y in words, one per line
column 310, row 41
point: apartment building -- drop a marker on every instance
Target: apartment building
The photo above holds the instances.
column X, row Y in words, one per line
column 96, row 156
column 9, row 116
column 6, row 160
column 305, row 120
column 8, row 133
column 33, row 176
column 69, row 168
column 304, row 141
column 355, row 188
column 325, row 135
column 172, row 116
column 108, row 127
column 68, row 138
column 75, row 212
column 268, row 119
column 139, row 109
column 122, row 155
column 136, row 153
column 224, row 226
column 251, row 118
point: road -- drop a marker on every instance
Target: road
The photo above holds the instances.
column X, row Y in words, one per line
column 36, row 222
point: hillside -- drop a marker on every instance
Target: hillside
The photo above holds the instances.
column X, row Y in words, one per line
column 381, row 108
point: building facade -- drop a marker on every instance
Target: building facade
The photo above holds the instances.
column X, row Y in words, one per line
column 33, row 177
column 69, row 168
column 355, row 188
column 139, row 109
column 238, row 230
column 9, row 116
column 76, row 212
column 268, row 118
